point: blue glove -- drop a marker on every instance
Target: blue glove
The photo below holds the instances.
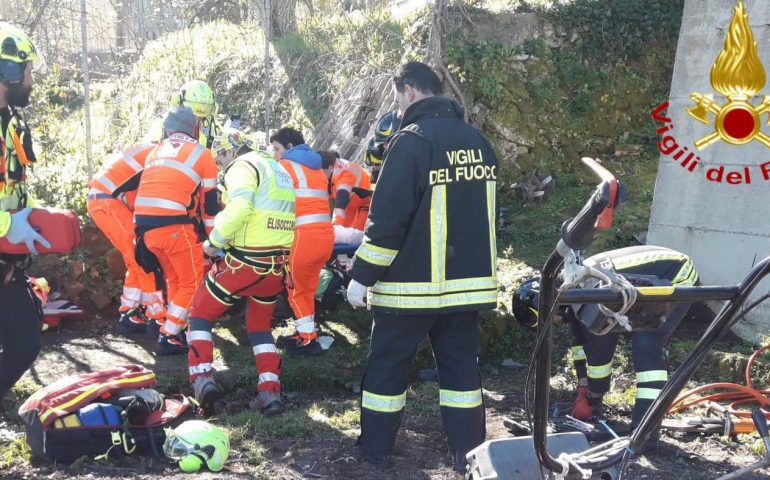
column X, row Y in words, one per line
column 22, row 232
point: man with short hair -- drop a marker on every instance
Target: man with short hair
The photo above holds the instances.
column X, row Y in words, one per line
column 313, row 235
column 429, row 258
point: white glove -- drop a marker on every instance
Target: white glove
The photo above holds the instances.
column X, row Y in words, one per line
column 212, row 251
column 356, row 236
column 347, row 235
column 357, row 294
column 21, row 231
column 340, row 234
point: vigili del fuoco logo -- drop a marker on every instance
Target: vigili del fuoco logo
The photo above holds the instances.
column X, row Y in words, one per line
column 738, row 75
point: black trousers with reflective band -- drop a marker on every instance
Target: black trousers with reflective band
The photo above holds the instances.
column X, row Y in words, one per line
column 20, row 317
column 454, row 339
column 647, row 355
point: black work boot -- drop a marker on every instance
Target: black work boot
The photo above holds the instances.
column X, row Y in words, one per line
column 270, row 403
column 377, row 462
column 207, row 392
column 460, row 462
column 132, row 321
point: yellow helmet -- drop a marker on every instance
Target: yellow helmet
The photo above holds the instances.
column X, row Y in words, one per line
column 15, row 50
column 232, row 139
column 197, row 96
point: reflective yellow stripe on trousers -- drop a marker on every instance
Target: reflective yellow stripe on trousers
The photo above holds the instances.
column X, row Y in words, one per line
column 455, row 399
column 652, row 376
column 647, row 393
column 383, row 403
column 601, row 371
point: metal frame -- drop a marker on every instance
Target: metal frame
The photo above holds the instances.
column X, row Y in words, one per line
column 736, row 296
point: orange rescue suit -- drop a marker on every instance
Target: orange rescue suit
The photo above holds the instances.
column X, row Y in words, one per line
column 356, row 180
column 176, row 191
column 111, row 205
column 313, row 240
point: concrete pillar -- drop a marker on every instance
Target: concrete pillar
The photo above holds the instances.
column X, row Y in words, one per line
column 725, row 228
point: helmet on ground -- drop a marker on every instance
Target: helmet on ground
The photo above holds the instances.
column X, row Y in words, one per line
column 195, row 443
column 231, row 139
column 387, row 125
column 196, row 95
column 16, row 49
column 525, row 302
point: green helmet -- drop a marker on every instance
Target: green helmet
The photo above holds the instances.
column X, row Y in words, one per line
column 196, row 95
column 16, row 49
column 196, row 442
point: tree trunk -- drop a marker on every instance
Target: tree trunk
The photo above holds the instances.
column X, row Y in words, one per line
column 279, row 15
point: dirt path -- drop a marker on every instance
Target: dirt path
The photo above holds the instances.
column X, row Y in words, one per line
column 315, row 439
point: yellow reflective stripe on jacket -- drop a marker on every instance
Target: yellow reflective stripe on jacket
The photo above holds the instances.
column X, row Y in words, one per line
column 643, row 258
column 438, row 233
column 601, row 371
column 5, row 223
column 647, row 393
column 436, row 288
column 376, row 255
column 687, row 275
column 62, row 409
column 578, row 353
column 433, row 301
column 652, row 376
column 456, row 399
column 491, row 212
column 383, row 403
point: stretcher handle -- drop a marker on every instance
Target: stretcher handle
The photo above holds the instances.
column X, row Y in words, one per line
column 578, row 232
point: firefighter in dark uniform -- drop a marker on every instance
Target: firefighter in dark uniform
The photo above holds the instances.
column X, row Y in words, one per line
column 427, row 265
column 21, row 313
column 644, row 265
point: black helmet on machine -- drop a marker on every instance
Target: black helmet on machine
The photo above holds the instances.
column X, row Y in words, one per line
column 525, row 302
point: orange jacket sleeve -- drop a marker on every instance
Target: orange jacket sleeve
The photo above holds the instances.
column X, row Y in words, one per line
column 208, row 192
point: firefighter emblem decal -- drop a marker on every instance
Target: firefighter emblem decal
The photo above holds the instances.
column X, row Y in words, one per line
column 739, row 75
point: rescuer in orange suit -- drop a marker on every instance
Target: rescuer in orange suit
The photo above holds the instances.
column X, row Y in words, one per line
column 352, row 193
column 177, row 188
column 111, row 206
column 313, row 235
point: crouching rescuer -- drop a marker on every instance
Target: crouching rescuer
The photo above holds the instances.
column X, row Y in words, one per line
column 429, row 259
column 255, row 230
